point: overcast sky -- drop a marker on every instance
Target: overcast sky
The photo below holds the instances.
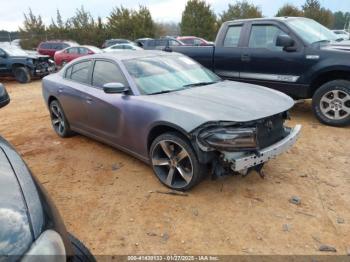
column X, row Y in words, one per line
column 11, row 12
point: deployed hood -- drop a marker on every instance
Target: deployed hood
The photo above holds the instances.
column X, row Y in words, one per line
column 225, row 101
column 15, row 231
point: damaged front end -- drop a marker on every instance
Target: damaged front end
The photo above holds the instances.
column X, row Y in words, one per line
column 241, row 147
column 42, row 65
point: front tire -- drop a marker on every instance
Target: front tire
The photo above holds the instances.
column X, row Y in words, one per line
column 22, row 75
column 175, row 163
column 59, row 121
column 81, row 252
column 331, row 103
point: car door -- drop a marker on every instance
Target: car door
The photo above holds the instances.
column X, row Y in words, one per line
column 105, row 111
column 227, row 57
column 269, row 65
column 73, row 53
column 4, row 68
column 72, row 93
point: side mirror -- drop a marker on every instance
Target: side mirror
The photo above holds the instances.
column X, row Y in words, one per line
column 4, row 97
column 286, row 42
column 3, row 55
column 114, row 88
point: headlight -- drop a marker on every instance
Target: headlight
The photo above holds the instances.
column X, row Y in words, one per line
column 48, row 247
column 230, row 138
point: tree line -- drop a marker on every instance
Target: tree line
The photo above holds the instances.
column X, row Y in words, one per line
column 198, row 18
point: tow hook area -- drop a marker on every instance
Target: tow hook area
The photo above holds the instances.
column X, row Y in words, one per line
column 223, row 168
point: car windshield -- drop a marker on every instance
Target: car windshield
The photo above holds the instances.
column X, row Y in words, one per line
column 311, row 31
column 161, row 74
column 14, row 51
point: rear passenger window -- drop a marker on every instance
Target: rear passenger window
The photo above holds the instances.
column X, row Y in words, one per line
column 80, row 72
column 107, row 72
column 232, row 36
column 265, row 36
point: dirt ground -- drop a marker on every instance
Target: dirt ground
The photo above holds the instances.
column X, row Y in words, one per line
column 109, row 200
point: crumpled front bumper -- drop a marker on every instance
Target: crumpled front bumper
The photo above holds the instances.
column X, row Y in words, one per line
column 243, row 161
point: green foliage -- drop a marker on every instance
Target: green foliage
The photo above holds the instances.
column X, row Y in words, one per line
column 198, row 19
column 289, row 10
column 341, row 20
column 33, row 30
column 240, row 10
column 130, row 23
column 312, row 9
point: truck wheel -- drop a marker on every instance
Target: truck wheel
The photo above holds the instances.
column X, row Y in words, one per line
column 331, row 103
column 174, row 162
column 22, row 75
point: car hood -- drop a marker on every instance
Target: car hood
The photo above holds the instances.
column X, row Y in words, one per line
column 225, row 101
column 15, row 229
column 35, row 57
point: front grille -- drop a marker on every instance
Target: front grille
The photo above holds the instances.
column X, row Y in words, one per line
column 270, row 130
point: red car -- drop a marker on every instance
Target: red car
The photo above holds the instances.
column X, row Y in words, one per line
column 193, row 40
column 70, row 53
column 50, row 47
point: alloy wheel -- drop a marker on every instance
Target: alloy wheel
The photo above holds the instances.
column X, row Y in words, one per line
column 172, row 164
column 57, row 118
column 335, row 104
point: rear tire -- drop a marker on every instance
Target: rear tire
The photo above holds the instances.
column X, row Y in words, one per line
column 81, row 252
column 22, row 75
column 331, row 103
column 175, row 163
column 59, row 120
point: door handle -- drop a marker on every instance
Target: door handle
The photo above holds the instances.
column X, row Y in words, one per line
column 245, row 58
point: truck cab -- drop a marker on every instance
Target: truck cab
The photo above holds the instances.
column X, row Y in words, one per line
column 294, row 55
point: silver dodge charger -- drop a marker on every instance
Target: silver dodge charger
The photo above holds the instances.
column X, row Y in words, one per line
column 170, row 112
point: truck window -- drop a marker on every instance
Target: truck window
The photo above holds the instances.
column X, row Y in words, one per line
column 232, row 36
column 265, row 36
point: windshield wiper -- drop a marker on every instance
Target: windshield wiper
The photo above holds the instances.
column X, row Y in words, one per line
column 163, row 92
column 200, row 84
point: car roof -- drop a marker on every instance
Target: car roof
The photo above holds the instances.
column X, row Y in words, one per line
column 282, row 18
column 126, row 55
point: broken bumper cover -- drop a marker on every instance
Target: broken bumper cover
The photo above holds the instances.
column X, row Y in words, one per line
column 243, row 161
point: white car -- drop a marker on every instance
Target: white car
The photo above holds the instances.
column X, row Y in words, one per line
column 122, row 47
column 342, row 34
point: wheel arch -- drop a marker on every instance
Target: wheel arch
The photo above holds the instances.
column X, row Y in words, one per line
column 50, row 99
column 329, row 75
column 161, row 128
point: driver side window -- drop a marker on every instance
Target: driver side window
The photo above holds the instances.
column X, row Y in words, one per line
column 265, row 36
column 107, row 72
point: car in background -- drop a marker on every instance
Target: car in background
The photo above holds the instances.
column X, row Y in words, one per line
column 23, row 66
column 68, row 54
column 111, row 42
column 122, row 47
column 140, row 42
column 170, row 112
column 31, row 228
column 161, row 44
column 342, row 34
column 50, row 47
column 194, row 41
